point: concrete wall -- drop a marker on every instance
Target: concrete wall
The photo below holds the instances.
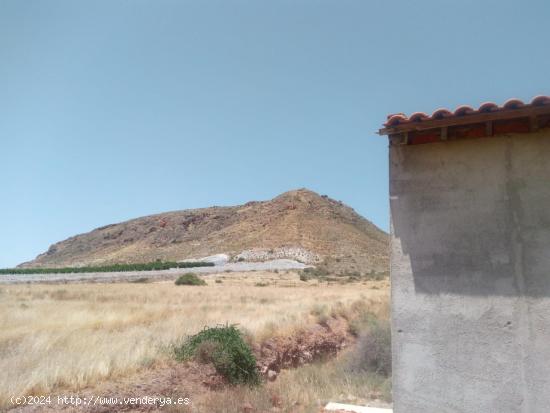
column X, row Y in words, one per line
column 470, row 269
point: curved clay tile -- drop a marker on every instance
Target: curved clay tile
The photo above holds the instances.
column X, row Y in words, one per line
column 513, row 104
column 463, row 110
column 393, row 114
column 396, row 119
column 441, row 113
column 418, row 116
column 488, row 107
column 540, row 100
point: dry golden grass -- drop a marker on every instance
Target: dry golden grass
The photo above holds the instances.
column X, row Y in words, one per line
column 74, row 335
column 303, row 390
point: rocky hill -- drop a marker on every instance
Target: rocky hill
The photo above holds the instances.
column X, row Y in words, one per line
column 298, row 224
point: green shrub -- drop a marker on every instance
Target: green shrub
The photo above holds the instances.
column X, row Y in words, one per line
column 190, row 279
column 315, row 272
column 226, row 349
column 218, row 281
column 206, row 351
column 261, row 284
column 304, row 277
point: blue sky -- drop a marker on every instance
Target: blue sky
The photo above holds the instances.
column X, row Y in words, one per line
column 111, row 110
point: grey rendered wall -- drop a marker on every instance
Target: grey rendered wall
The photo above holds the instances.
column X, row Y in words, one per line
column 470, row 269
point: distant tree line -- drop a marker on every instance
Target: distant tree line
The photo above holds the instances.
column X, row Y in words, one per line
column 151, row 266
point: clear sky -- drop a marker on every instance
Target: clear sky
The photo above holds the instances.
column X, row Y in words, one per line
column 111, row 110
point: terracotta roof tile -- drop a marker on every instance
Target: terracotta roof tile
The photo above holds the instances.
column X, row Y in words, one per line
column 464, row 110
column 513, row 104
column 396, row 119
column 488, row 107
column 441, row 114
column 540, row 100
column 400, row 118
column 418, row 116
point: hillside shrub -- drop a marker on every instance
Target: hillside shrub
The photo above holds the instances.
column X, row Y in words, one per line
column 319, row 272
column 189, row 279
column 225, row 348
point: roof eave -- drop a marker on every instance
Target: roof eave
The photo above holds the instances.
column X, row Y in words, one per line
column 469, row 119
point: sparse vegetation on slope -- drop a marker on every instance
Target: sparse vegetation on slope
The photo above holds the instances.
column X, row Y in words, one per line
column 321, row 273
column 151, row 266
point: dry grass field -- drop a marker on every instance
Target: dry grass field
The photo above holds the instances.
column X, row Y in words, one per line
column 76, row 335
column 303, row 390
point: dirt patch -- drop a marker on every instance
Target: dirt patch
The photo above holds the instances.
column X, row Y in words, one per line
column 315, row 343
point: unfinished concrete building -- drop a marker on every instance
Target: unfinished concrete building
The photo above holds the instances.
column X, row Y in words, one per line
column 470, row 258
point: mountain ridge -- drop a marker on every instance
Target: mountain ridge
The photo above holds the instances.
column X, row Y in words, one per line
column 317, row 228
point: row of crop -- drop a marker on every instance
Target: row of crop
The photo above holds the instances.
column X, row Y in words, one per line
column 151, row 266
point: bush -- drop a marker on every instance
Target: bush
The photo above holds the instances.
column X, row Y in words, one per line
column 190, row 279
column 205, row 351
column 226, row 349
column 320, row 272
column 218, row 281
column 373, row 352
